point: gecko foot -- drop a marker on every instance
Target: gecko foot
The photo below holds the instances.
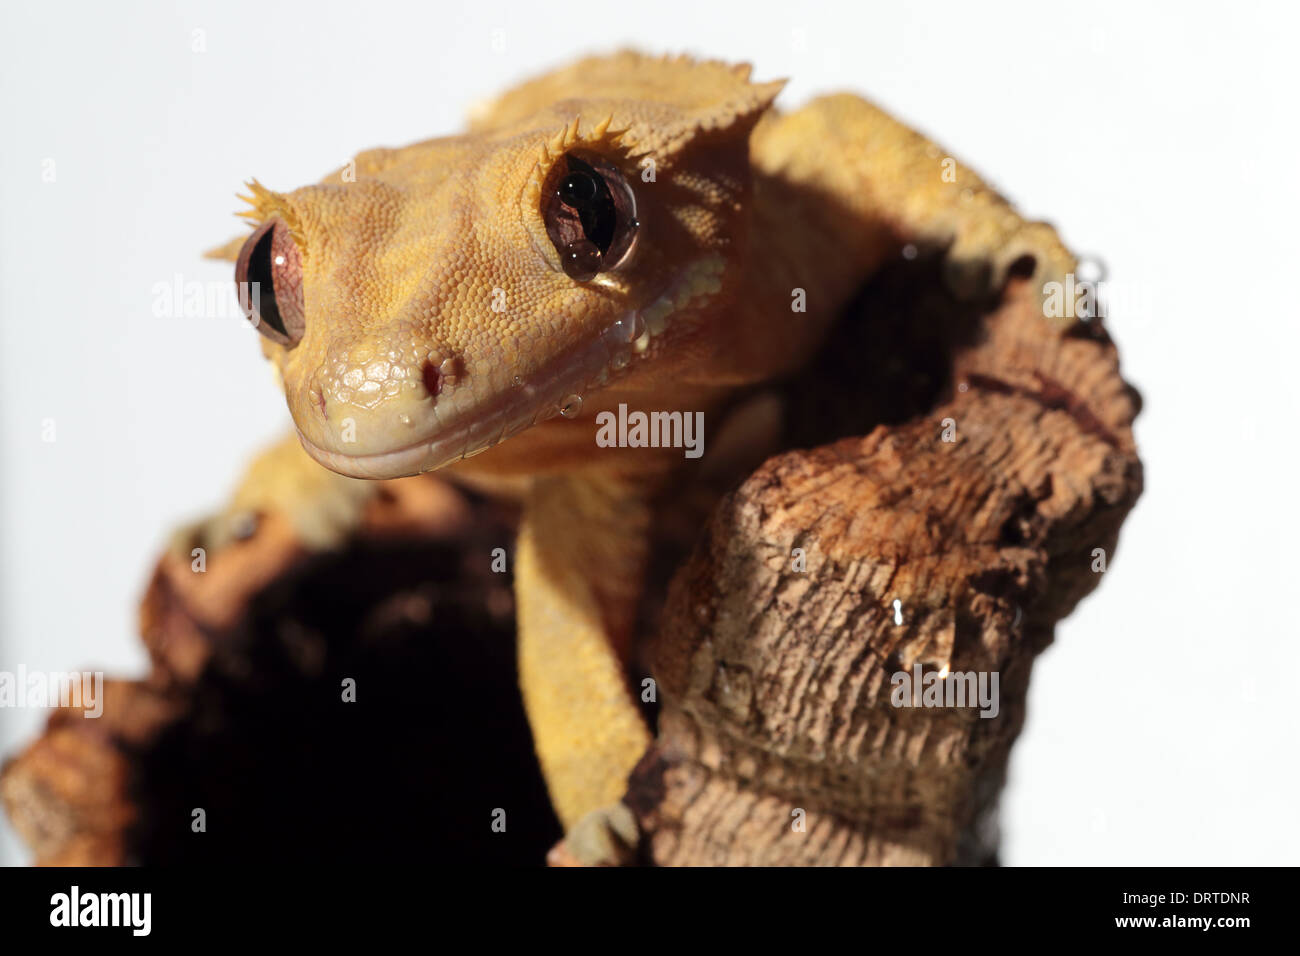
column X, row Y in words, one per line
column 213, row 533
column 322, row 508
column 986, row 256
column 605, row 837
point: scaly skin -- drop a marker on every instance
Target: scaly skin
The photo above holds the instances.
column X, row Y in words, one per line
column 438, row 323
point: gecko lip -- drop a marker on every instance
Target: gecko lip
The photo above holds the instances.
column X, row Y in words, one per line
column 521, row 407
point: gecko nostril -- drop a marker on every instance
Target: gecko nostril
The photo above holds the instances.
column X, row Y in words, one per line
column 1023, row 267
column 432, row 379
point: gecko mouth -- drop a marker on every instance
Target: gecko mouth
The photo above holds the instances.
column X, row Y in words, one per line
column 553, row 390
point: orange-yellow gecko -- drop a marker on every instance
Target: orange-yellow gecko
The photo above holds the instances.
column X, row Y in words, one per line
column 626, row 231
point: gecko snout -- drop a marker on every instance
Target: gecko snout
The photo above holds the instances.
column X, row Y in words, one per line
column 368, row 396
column 268, row 279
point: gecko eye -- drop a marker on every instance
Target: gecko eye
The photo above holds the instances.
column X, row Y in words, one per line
column 268, row 278
column 590, row 215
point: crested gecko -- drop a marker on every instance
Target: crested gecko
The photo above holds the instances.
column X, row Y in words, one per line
column 625, row 233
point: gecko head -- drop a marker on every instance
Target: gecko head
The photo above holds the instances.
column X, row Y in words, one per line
column 425, row 303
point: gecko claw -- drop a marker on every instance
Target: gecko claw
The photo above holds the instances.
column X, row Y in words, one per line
column 605, row 837
column 980, row 263
column 214, row 533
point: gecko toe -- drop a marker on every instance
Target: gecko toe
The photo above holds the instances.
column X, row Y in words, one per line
column 608, row 836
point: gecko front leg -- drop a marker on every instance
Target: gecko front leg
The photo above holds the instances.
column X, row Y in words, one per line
column 880, row 174
column 321, row 506
column 581, row 559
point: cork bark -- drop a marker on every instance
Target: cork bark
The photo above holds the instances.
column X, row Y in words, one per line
column 775, row 634
column 779, row 742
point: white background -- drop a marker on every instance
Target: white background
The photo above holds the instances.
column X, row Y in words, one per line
column 1163, row 137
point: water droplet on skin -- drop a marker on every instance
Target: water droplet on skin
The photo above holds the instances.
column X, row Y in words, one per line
column 572, row 406
column 581, row 260
column 405, row 419
column 518, row 382
column 1090, row 269
column 898, row 612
